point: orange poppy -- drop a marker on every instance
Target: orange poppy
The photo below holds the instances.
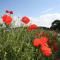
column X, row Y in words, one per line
column 32, row 27
column 25, row 20
column 7, row 19
column 46, row 51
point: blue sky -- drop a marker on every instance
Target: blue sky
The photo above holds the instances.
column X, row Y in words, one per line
column 32, row 8
column 40, row 12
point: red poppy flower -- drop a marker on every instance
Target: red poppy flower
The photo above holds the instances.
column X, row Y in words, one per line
column 11, row 12
column 7, row 11
column 7, row 19
column 43, row 40
column 45, row 44
column 32, row 27
column 36, row 42
column 25, row 20
column 46, row 51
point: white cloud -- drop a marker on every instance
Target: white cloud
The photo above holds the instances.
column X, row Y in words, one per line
column 47, row 19
column 45, row 11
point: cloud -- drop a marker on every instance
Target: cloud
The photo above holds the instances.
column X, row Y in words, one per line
column 47, row 19
column 45, row 11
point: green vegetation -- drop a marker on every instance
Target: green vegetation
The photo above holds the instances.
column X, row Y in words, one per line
column 16, row 44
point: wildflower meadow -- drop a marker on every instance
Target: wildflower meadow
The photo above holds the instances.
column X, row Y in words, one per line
column 27, row 42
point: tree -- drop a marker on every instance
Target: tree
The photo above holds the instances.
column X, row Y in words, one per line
column 55, row 25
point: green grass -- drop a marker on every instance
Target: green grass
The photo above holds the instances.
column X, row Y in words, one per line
column 16, row 44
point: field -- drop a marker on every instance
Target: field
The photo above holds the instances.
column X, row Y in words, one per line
column 27, row 42
column 16, row 44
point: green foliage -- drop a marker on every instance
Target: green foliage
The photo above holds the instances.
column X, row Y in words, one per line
column 16, row 44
